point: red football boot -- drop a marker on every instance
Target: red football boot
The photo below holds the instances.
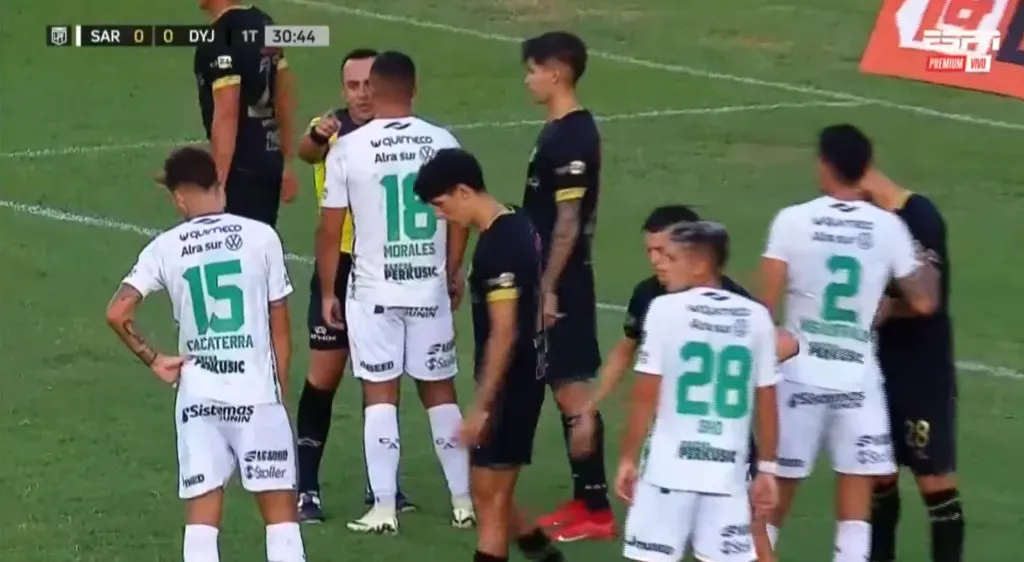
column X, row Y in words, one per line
column 567, row 513
column 589, row 525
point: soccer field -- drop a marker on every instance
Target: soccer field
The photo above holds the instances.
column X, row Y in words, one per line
column 715, row 104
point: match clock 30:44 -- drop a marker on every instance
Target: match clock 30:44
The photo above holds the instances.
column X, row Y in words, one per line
column 297, row 36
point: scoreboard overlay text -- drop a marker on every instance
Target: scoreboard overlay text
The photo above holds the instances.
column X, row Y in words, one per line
column 146, row 36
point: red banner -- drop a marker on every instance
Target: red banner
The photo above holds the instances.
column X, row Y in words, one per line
column 917, row 39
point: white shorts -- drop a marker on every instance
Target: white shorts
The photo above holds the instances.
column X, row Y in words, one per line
column 662, row 523
column 214, row 438
column 855, row 426
column 386, row 342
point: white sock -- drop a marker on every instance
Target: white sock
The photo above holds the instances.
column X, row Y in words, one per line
column 380, row 440
column 773, row 534
column 853, row 541
column 445, row 421
column 284, row 543
column 200, row 544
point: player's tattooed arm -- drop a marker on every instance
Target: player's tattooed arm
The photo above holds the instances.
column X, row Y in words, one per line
column 563, row 240
column 920, row 289
column 121, row 318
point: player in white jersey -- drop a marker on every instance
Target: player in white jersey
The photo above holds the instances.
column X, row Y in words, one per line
column 406, row 281
column 705, row 372
column 228, row 286
column 832, row 258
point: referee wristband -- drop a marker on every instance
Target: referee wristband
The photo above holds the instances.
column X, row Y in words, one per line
column 316, row 137
column 768, row 467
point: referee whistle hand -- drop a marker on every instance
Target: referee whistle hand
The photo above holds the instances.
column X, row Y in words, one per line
column 333, row 316
column 328, row 125
column 625, row 480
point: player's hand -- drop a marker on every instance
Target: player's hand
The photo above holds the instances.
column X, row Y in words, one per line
column 581, row 436
column 551, row 314
column 764, row 495
column 471, row 433
column 167, row 368
column 456, row 288
column 625, row 480
column 333, row 316
column 328, row 125
column 289, row 184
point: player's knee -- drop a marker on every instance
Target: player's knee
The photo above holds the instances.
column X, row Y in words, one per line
column 854, row 493
column 930, row 484
column 384, row 392
column 572, row 395
column 436, row 393
column 326, row 369
column 886, row 481
column 205, row 509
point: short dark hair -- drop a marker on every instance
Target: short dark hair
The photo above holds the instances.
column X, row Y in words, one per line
column 447, row 169
column 189, row 166
column 711, row 237
column 846, row 151
column 560, row 46
column 668, row 215
column 359, row 53
column 396, row 68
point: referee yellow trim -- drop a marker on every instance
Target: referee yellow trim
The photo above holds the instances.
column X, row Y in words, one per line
column 503, row 295
column 282, row 63
column 569, row 194
column 225, row 81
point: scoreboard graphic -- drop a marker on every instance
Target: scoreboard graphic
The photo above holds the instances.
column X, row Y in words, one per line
column 184, row 36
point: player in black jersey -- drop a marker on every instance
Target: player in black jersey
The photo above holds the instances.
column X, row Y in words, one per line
column 916, row 355
column 657, row 229
column 509, row 361
column 245, row 100
column 561, row 199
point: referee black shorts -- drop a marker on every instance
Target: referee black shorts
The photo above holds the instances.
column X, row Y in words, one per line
column 321, row 336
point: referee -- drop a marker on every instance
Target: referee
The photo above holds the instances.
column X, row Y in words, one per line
column 246, row 105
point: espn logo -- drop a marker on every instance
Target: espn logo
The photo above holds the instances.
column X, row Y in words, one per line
column 959, row 63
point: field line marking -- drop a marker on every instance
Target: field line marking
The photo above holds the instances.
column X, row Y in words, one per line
column 667, row 67
column 652, row 114
column 110, row 224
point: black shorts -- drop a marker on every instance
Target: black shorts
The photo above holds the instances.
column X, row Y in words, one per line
column 573, row 353
column 508, row 441
column 321, row 336
column 922, row 414
column 255, row 193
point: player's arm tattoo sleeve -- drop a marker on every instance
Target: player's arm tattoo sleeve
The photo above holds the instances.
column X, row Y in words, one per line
column 121, row 318
column 563, row 240
column 502, row 302
column 916, row 277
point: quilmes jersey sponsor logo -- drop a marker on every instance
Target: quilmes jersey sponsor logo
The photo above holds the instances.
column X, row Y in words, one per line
column 228, row 414
column 219, row 366
column 400, row 140
column 703, row 451
column 409, row 272
column 218, row 229
column 834, row 401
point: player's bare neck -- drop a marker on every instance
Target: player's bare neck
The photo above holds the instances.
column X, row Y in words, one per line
column 218, row 9
column 886, row 193
column 561, row 105
column 844, row 193
column 201, row 204
column 392, row 111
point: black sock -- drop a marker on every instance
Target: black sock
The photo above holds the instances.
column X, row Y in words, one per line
column 312, row 425
column 885, row 516
column 589, row 482
column 484, row 557
column 536, row 546
column 577, row 488
column 946, row 515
